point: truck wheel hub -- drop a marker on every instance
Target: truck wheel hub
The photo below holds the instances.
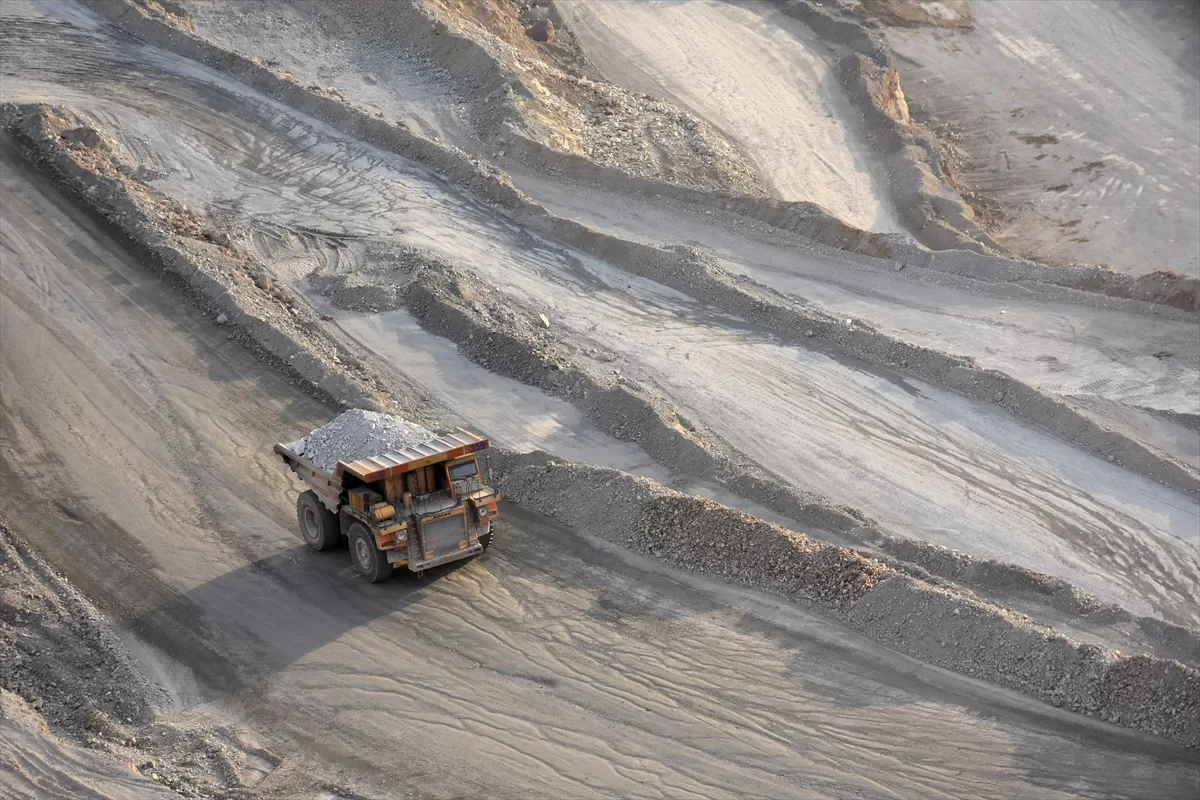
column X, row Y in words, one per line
column 362, row 552
column 311, row 526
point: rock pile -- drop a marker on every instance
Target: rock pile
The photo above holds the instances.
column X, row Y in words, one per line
column 357, row 434
column 936, row 624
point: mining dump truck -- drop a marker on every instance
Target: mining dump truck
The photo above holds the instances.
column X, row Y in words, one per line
column 417, row 507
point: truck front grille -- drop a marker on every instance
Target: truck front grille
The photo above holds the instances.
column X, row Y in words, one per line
column 444, row 536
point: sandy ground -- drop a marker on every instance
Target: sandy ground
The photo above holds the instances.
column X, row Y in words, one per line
column 515, row 415
column 321, row 46
column 1066, row 348
column 554, row 666
column 923, row 461
column 759, row 76
column 1079, row 119
column 39, row 766
column 549, row 668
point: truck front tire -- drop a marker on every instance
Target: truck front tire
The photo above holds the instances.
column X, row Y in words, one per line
column 318, row 524
column 369, row 560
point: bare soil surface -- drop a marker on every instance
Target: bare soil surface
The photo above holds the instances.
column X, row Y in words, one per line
column 539, row 670
column 944, row 316
column 917, row 13
column 934, row 466
column 543, row 661
column 349, row 50
column 763, row 78
column 1060, row 341
column 471, row 74
column 1074, row 125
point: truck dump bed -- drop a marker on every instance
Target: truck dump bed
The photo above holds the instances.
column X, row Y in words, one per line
column 328, row 485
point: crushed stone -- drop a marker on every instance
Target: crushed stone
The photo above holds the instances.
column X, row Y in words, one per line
column 357, row 434
column 940, row 625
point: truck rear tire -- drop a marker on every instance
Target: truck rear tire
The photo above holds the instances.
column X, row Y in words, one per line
column 318, row 524
column 369, row 560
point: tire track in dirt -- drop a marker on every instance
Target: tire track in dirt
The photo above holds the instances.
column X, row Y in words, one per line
column 466, row 660
column 356, row 186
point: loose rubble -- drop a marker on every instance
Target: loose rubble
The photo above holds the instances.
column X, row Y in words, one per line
column 356, row 434
column 937, row 624
column 65, row 673
column 554, row 103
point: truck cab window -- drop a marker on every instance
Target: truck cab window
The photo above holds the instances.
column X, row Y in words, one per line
column 467, row 469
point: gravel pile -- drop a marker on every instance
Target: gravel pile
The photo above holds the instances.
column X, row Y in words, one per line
column 357, row 434
column 936, row 624
column 688, row 532
column 505, row 337
column 654, row 139
column 548, row 105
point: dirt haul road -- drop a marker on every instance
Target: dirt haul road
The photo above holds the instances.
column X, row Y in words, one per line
column 137, row 458
column 539, row 670
column 936, row 465
column 925, row 462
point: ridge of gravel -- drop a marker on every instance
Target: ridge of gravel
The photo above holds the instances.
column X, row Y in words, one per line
column 1142, row 692
column 923, row 193
column 1009, row 581
column 698, row 275
column 225, row 284
column 963, row 257
column 503, row 336
column 935, row 624
column 65, row 672
column 23, row 664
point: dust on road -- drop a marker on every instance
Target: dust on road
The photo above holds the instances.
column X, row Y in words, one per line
column 549, row 667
